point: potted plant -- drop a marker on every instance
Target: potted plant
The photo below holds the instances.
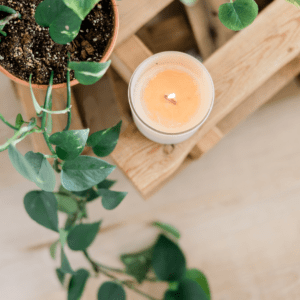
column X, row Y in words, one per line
column 40, row 36
column 83, row 178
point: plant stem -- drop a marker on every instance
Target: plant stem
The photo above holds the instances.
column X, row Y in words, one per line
column 94, row 264
column 8, row 124
column 130, row 286
column 8, row 18
column 98, row 268
column 55, row 164
column 68, row 100
column 47, row 99
column 46, row 137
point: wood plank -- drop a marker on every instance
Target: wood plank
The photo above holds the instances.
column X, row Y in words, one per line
column 160, row 36
column 128, row 56
column 198, row 16
column 248, row 68
column 208, row 141
column 222, row 33
column 270, row 88
column 135, row 14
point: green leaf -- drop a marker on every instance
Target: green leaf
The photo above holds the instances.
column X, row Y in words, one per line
column 66, row 204
column 19, row 121
column 294, row 2
column 48, row 10
column 34, row 167
column 84, row 172
column 81, row 7
column 138, row 264
column 189, row 2
column 111, row 291
column 53, row 249
column 63, row 234
column 82, row 236
column 91, row 194
column 239, row 14
column 65, row 265
column 111, row 199
column 65, row 27
column 200, row 278
column 20, row 163
column 167, row 228
column 45, row 176
column 171, row 295
column 7, row 9
column 87, row 72
column 168, row 261
column 103, row 142
column 63, row 23
column 60, row 275
column 41, row 206
column 77, row 284
column 190, row 290
column 69, row 144
column 106, row 184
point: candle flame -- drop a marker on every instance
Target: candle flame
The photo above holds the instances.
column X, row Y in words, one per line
column 172, row 96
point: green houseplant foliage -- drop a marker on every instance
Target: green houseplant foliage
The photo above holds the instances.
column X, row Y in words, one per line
column 84, row 180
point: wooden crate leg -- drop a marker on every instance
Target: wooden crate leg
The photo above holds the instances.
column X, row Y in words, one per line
column 208, row 141
column 198, row 16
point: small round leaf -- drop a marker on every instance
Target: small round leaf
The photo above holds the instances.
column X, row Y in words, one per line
column 168, row 261
column 89, row 72
column 41, row 206
column 200, row 278
column 69, row 144
column 111, row 291
column 84, row 172
column 239, row 14
column 77, row 284
column 82, row 236
column 190, row 290
column 111, row 199
column 103, row 142
column 167, row 228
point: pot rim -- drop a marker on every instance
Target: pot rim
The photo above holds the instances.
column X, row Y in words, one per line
column 73, row 82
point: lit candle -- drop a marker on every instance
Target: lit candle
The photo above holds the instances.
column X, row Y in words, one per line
column 170, row 94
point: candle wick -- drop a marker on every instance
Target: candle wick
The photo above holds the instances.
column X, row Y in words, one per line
column 170, row 98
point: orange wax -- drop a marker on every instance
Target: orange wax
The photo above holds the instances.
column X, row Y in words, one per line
column 165, row 112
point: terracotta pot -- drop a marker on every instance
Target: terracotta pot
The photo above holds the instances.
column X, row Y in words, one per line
column 107, row 54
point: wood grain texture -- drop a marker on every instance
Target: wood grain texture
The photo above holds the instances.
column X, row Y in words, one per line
column 198, row 17
column 222, row 33
column 277, row 43
column 135, row 14
column 128, row 56
column 171, row 33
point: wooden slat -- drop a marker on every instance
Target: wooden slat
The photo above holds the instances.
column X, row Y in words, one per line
column 160, row 35
column 275, row 41
column 208, row 141
column 128, row 56
column 135, row 14
column 198, row 16
column 223, row 34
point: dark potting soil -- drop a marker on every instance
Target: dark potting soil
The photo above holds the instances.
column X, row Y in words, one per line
column 28, row 48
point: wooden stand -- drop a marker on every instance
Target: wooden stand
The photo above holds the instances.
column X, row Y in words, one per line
column 247, row 71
